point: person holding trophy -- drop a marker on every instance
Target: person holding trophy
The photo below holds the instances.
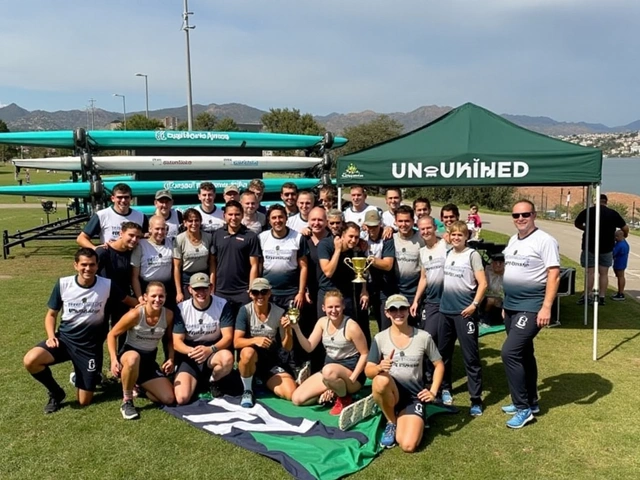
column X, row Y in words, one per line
column 346, row 347
column 343, row 264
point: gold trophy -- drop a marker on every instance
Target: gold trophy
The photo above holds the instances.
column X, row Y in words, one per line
column 358, row 265
column 293, row 314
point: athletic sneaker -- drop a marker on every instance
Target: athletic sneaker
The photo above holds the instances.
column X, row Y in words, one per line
column 512, row 410
column 618, row 297
column 303, row 373
column 581, row 300
column 128, row 411
column 521, row 418
column 356, row 412
column 340, row 404
column 55, row 399
column 72, row 378
column 475, row 410
column 388, row 438
column 601, row 301
column 447, row 398
column 214, row 389
column 247, row 400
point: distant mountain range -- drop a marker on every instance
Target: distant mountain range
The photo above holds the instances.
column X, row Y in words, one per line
column 19, row 119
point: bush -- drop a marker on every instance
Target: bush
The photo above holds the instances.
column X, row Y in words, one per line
column 493, row 198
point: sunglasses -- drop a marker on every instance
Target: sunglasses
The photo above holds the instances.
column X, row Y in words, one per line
column 523, row 215
column 260, row 292
column 289, row 194
column 398, row 309
column 449, row 216
column 197, row 289
column 123, row 197
column 335, row 223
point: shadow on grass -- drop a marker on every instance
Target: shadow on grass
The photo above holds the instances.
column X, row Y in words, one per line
column 18, row 252
column 614, row 348
column 573, row 388
column 611, row 316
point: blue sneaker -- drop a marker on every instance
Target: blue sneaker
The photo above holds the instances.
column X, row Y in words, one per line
column 447, row 398
column 247, row 399
column 520, row 419
column 512, row 410
column 388, row 438
column 475, row 410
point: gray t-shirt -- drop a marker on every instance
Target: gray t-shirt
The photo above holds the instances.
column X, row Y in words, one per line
column 248, row 322
column 195, row 258
column 407, row 369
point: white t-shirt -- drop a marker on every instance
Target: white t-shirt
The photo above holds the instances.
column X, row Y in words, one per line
column 211, row 221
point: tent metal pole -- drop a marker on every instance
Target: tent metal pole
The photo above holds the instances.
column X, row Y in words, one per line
column 586, row 249
column 596, row 276
column 339, row 198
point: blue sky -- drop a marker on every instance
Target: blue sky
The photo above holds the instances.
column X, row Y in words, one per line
column 571, row 60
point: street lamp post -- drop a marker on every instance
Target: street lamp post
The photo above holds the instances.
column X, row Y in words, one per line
column 146, row 90
column 186, row 27
column 124, row 108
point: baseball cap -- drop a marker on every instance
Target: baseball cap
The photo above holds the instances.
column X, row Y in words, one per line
column 372, row 218
column 498, row 257
column 396, row 301
column 231, row 188
column 260, row 284
column 199, row 280
column 163, row 194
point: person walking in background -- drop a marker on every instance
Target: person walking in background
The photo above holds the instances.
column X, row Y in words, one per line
column 474, row 224
column 620, row 259
column 610, row 220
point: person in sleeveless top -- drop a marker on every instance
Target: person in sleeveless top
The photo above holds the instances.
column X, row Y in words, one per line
column 463, row 289
column 262, row 328
column 136, row 363
column 346, row 347
column 395, row 364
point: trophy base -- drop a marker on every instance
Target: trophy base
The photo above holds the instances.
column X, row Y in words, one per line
column 359, row 280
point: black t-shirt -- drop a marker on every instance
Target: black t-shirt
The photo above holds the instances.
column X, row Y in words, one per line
column 343, row 276
column 232, row 253
column 314, row 271
column 116, row 266
column 610, row 220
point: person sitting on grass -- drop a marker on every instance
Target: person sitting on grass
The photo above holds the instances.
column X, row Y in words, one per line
column 346, row 348
column 620, row 260
column 82, row 299
column 395, row 364
column 261, row 329
column 136, row 362
column 202, row 337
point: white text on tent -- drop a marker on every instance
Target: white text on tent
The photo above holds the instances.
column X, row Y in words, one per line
column 475, row 169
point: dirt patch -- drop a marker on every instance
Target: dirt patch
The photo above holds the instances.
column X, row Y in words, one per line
column 5, row 277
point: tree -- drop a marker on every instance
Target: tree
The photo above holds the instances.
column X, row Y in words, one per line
column 291, row 121
column 370, row 133
column 141, row 122
column 205, row 122
column 621, row 208
column 7, row 152
column 494, row 198
column 227, row 124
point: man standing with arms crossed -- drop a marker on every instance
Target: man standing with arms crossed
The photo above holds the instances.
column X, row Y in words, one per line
column 531, row 279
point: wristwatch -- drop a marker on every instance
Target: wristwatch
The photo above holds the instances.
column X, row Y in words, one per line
column 214, row 349
column 475, row 304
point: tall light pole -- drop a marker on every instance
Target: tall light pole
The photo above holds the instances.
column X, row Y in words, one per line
column 146, row 90
column 124, row 108
column 186, row 27
column 93, row 112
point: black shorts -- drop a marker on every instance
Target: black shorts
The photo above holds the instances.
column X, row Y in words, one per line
column 349, row 363
column 148, row 368
column 268, row 364
column 200, row 371
column 87, row 361
column 408, row 403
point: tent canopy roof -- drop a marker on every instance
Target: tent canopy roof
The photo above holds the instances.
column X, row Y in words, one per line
column 471, row 146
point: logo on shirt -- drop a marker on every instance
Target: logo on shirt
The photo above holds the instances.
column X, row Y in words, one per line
column 471, row 328
column 277, row 247
column 521, row 323
column 152, row 330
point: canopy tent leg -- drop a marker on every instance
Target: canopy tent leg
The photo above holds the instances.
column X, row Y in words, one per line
column 596, row 277
column 586, row 249
column 339, row 198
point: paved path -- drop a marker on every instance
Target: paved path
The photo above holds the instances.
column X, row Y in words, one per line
column 569, row 239
column 5, row 206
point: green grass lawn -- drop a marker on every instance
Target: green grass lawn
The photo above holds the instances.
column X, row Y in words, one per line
column 588, row 428
column 37, row 177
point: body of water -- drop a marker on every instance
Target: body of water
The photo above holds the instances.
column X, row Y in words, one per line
column 621, row 175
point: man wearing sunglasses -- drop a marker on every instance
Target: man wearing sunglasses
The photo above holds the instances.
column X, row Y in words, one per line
column 106, row 223
column 610, row 221
column 531, row 279
column 289, row 196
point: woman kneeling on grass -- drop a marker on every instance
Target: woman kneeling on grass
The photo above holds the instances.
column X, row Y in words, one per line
column 346, row 347
column 136, row 362
column 395, row 364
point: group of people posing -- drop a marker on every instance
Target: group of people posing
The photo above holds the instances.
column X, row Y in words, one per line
column 280, row 304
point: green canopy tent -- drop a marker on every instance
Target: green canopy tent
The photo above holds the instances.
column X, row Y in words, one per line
column 471, row 146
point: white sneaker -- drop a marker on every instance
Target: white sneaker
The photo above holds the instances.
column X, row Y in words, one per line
column 356, row 412
column 72, row 378
column 303, row 374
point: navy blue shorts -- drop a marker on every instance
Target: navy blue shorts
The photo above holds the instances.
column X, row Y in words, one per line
column 349, row 363
column 408, row 403
column 148, row 368
column 87, row 361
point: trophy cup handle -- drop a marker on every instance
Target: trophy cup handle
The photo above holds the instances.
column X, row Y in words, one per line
column 369, row 262
column 349, row 263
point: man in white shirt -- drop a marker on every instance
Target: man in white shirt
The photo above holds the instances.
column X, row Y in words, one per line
column 359, row 208
column 212, row 216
